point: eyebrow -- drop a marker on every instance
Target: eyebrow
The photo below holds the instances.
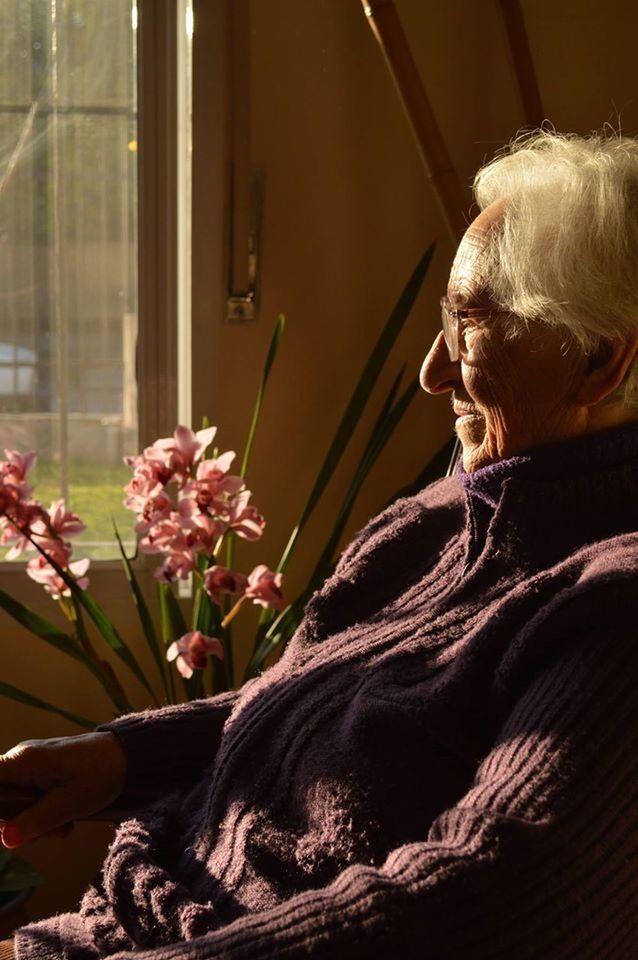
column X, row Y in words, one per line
column 466, row 303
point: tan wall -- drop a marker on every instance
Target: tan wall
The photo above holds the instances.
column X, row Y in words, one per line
column 348, row 212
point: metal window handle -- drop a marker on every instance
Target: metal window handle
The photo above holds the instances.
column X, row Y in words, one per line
column 243, row 302
column 246, row 180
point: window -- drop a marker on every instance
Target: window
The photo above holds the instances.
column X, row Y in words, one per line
column 96, row 132
column 68, row 250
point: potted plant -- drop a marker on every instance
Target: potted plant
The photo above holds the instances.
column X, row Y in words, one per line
column 190, row 508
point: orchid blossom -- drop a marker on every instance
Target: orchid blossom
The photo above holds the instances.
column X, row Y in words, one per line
column 264, row 588
column 191, row 652
column 219, row 581
column 179, row 452
column 42, row 572
column 185, row 507
column 59, row 520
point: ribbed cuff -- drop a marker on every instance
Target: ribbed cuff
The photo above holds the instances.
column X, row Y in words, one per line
column 6, row 950
column 61, row 937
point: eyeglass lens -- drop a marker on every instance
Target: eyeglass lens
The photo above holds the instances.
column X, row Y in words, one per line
column 450, row 333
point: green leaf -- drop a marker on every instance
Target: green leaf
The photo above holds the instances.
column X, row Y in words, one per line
column 270, row 359
column 361, row 394
column 173, row 627
column 167, row 632
column 42, row 628
column 227, row 642
column 101, row 621
column 281, row 629
column 142, row 609
column 13, row 693
column 17, row 874
column 270, row 643
column 381, row 433
column 57, row 638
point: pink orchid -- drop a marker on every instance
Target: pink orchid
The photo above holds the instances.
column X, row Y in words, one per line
column 57, row 550
column 13, row 510
column 155, row 509
column 27, row 514
column 205, row 530
column 213, row 480
column 220, row 580
column 59, row 521
column 164, row 536
column 177, row 534
column 17, row 465
column 42, row 572
column 179, row 452
column 147, row 481
column 11, row 500
column 178, row 566
column 219, row 466
column 21, row 544
column 244, row 518
column 264, row 588
column 191, row 652
column 11, row 534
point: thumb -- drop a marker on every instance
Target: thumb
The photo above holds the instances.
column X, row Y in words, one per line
column 53, row 810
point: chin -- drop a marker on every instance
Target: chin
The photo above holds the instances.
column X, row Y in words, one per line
column 471, row 433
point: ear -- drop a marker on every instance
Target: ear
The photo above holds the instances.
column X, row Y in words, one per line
column 606, row 369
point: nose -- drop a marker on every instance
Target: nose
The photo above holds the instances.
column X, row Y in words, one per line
column 438, row 373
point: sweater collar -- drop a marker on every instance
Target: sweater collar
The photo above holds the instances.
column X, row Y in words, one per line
column 555, row 497
column 561, row 461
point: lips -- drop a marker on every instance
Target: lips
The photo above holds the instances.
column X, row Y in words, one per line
column 461, row 411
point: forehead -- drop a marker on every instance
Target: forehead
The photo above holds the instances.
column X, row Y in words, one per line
column 467, row 277
column 466, row 283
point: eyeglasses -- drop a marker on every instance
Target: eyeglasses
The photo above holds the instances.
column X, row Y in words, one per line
column 451, row 318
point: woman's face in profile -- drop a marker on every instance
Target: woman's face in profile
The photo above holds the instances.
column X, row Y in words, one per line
column 509, row 394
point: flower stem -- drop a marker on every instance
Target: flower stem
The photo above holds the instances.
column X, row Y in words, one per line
column 233, row 612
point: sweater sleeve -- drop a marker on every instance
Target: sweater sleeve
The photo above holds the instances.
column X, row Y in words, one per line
column 537, row 859
column 168, row 748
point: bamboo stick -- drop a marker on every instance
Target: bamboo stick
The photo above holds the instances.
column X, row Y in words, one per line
column 386, row 26
column 522, row 62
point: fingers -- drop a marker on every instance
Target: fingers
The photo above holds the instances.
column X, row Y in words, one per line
column 51, row 813
column 60, row 832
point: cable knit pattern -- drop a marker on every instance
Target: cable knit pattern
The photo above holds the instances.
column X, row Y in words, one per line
column 443, row 765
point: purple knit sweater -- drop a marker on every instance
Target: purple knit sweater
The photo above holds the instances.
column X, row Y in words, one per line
column 443, row 764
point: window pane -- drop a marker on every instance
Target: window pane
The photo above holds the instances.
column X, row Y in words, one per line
column 68, row 250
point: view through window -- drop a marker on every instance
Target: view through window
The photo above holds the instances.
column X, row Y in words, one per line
column 68, row 251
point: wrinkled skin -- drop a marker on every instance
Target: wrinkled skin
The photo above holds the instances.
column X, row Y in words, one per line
column 511, row 395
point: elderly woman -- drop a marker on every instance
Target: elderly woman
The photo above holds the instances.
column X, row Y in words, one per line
column 444, row 762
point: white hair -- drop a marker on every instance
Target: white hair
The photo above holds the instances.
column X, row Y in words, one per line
column 566, row 249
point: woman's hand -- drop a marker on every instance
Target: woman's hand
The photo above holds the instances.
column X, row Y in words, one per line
column 74, row 776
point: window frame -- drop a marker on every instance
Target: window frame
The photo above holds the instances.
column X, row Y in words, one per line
column 158, row 210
